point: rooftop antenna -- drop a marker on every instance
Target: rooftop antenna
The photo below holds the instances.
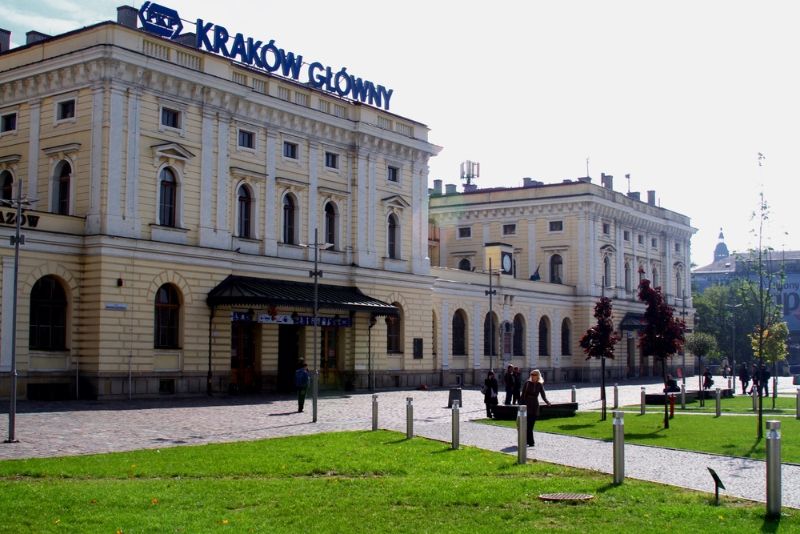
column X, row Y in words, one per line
column 470, row 170
column 587, row 166
column 628, row 177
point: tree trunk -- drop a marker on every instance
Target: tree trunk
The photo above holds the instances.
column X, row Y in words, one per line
column 666, row 400
column 603, row 386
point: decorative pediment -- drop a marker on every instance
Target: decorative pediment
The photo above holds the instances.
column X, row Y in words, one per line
column 10, row 160
column 174, row 151
column 239, row 172
column 395, row 201
column 59, row 151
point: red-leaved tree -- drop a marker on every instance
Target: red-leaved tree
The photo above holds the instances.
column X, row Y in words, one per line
column 662, row 335
column 599, row 341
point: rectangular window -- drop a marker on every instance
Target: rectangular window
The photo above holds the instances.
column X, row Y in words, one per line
column 331, row 160
column 654, row 242
column 556, row 226
column 247, row 139
column 640, row 239
column 626, row 235
column 509, row 229
column 677, row 247
column 171, row 118
column 464, row 232
column 289, row 150
column 65, row 110
column 606, row 228
column 8, row 123
column 393, row 174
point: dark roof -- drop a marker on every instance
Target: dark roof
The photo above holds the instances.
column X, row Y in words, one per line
column 251, row 291
column 632, row 321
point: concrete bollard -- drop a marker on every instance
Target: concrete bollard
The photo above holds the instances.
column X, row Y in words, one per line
column 456, row 423
column 718, row 394
column 616, row 396
column 641, row 411
column 683, row 396
column 797, row 408
column 374, row 412
column 522, row 430
column 574, row 395
column 619, row 447
column 773, row 468
column 409, row 418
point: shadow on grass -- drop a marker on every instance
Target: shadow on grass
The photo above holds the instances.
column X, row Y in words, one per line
column 655, row 434
column 771, row 524
column 753, row 448
column 607, row 487
column 574, row 427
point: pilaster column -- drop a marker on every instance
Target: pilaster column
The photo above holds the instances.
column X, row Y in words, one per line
column 207, row 234
column 313, row 194
column 35, row 111
column 111, row 219
column 96, row 170
column 8, row 313
column 445, row 322
column 271, row 201
column 132, row 219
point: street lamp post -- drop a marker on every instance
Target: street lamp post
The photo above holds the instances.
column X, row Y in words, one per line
column 16, row 240
column 316, row 274
column 491, row 292
column 733, row 340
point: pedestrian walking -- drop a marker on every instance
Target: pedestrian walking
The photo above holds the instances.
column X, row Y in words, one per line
column 490, row 388
column 508, row 382
column 744, row 378
column 763, row 380
column 531, row 391
column 301, row 380
column 755, row 387
column 517, row 385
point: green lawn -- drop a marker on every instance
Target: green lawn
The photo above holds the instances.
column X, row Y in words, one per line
column 731, row 435
column 739, row 404
column 347, row 482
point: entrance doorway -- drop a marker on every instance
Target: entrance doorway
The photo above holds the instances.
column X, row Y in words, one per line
column 244, row 374
column 631, row 367
column 288, row 357
column 329, row 356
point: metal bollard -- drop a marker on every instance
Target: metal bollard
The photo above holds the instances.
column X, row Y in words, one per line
column 719, row 402
column 522, row 430
column 574, row 395
column 797, row 408
column 773, row 468
column 409, row 418
column 374, row 412
column 683, row 396
column 456, row 423
column 643, row 399
column 616, row 396
column 619, row 447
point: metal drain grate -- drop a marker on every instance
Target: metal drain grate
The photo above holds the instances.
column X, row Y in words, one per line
column 565, row 497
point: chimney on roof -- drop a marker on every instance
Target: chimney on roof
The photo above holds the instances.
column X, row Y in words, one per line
column 5, row 40
column 527, row 182
column 450, row 189
column 34, row 37
column 188, row 39
column 607, row 180
column 585, row 179
column 634, row 195
column 128, row 16
column 651, row 198
column 437, row 187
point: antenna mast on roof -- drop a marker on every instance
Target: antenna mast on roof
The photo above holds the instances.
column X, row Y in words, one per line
column 628, row 177
column 470, row 170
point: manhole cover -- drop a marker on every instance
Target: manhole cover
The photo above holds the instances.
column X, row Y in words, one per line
column 565, row 497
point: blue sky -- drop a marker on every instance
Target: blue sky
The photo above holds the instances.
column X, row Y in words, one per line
column 680, row 95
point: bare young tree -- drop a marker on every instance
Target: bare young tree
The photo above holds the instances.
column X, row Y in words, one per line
column 599, row 341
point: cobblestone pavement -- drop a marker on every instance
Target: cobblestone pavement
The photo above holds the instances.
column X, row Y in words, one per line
column 70, row 428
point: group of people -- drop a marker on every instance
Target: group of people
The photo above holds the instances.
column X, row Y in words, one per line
column 517, row 393
column 760, row 377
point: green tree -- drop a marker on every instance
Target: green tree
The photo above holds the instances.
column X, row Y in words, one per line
column 701, row 344
column 662, row 335
column 599, row 341
column 774, row 347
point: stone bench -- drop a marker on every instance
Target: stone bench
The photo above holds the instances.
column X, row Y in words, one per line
column 658, row 398
column 556, row 409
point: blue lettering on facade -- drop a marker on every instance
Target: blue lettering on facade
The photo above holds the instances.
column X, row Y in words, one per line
column 165, row 22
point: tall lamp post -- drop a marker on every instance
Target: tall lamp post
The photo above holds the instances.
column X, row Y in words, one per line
column 491, row 292
column 316, row 274
column 733, row 307
column 15, row 240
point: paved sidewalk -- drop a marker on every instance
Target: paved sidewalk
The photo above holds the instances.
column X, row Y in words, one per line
column 70, row 428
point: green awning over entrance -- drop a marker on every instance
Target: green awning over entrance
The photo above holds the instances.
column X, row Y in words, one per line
column 251, row 291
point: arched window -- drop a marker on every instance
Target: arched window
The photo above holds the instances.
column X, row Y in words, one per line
column 392, row 235
column 490, row 334
column 289, row 218
column 627, row 276
column 167, row 318
column 168, row 198
column 566, row 337
column 544, row 336
column 519, row 336
column 607, row 272
column 459, row 333
column 394, row 341
column 61, row 185
column 7, row 182
column 48, row 318
column 245, row 215
column 464, row 265
column 556, row 269
column 680, row 292
column 330, row 223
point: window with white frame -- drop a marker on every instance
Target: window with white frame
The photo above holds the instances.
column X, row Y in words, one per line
column 464, row 232
column 171, row 118
column 62, row 179
column 556, row 226
column 331, row 223
column 626, row 235
column 509, row 229
column 393, row 173
column 654, row 242
column 247, row 139
column 606, row 228
column 245, row 212
column 289, row 150
column 332, row 160
column 65, row 110
column 393, row 237
column 8, row 122
column 168, row 198
column 289, row 220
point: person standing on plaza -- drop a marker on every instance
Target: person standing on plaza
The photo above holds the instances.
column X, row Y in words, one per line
column 508, row 382
column 517, row 386
column 533, row 388
column 301, row 380
column 490, row 388
column 755, row 387
column 763, row 380
column 744, row 378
